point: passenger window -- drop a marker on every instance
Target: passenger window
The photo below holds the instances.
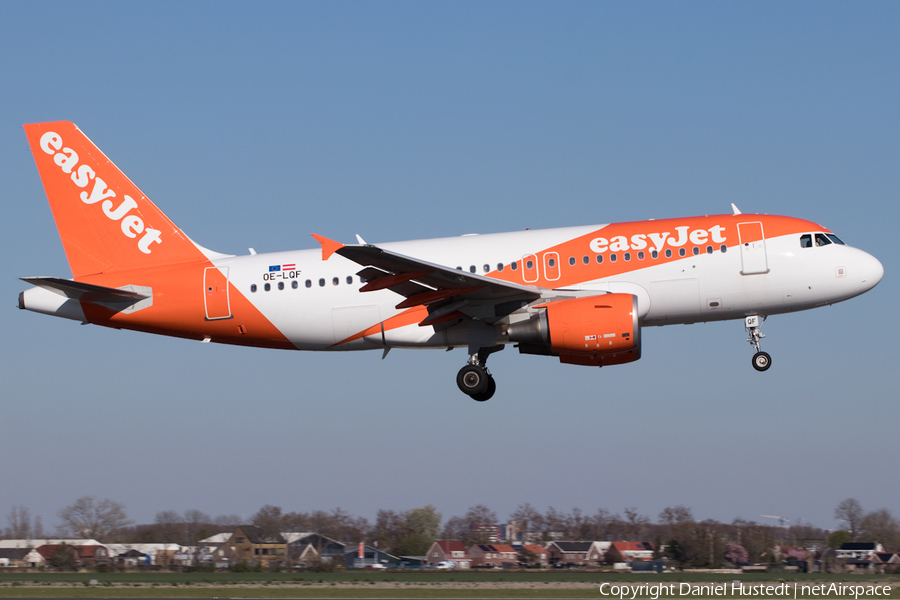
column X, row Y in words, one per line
column 654, row 254
column 335, row 281
column 267, row 287
column 806, row 241
column 695, row 250
column 499, row 266
column 487, row 268
column 681, row 252
column 835, row 239
column 641, row 255
column 668, row 253
column 627, row 256
column 572, row 261
column 472, row 269
column 280, row 285
column 821, row 240
column 514, row 266
column 585, row 260
column 308, row 283
column 723, row 248
column 709, row 250
column 294, row 284
column 612, row 257
column 349, row 279
column 253, row 288
column 322, row 282
column 599, row 259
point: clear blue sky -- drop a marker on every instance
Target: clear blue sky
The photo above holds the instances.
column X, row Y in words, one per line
column 256, row 124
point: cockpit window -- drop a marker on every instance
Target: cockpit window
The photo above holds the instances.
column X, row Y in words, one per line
column 821, row 240
column 806, row 241
column 835, row 239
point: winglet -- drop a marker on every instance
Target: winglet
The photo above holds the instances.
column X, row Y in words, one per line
column 735, row 209
column 329, row 247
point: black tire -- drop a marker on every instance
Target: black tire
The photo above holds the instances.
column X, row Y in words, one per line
column 761, row 361
column 486, row 394
column 472, row 380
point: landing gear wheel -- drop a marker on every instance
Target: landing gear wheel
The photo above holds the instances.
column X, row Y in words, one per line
column 486, row 394
column 473, row 380
column 761, row 361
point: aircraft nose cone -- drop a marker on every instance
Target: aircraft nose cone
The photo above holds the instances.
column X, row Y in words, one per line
column 871, row 271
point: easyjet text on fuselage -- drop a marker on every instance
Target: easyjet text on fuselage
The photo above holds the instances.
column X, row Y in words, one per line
column 657, row 241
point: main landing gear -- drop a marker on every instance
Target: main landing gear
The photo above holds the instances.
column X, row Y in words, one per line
column 474, row 379
column 761, row 360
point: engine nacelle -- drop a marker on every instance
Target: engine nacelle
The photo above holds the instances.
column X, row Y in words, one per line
column 593, row 331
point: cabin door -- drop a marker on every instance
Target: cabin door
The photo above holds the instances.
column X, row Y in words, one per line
column 215, row 293
column 753, row 248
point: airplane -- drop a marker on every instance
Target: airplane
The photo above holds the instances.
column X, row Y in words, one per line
column 581, row 294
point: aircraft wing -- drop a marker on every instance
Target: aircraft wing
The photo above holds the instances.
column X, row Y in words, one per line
column 449, row 294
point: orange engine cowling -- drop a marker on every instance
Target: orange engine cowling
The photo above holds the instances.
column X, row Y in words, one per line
column 593, row 331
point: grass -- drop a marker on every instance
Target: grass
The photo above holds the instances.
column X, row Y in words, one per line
column 364, row 584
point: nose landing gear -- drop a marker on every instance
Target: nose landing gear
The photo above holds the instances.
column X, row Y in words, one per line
column 474, row 379
column 761, row 360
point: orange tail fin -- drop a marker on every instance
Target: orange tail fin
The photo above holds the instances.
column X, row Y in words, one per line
column 106, row 223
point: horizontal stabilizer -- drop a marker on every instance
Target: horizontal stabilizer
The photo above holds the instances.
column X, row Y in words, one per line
column 86, row 291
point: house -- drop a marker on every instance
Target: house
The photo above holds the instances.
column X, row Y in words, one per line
column 882, row 560
column 596, row 554
column 21, row 557
column 311, row 547
column 303, row 556
column 449, row 550
column 59, row 555
column 569, row 553
column 92, row 555
column 494, row 555
column 858, row 550
column 132, row 558
column 249, row 544
column 213, row 550
column 216, row 540
column 532, row 554
column 630, row 551
column 367, row 556
column 144, row 555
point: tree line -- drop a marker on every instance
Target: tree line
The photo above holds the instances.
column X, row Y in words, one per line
column 687, row 541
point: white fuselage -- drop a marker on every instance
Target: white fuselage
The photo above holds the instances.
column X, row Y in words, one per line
column 327, row 306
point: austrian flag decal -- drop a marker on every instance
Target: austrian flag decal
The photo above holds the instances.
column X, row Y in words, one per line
column 290, row 267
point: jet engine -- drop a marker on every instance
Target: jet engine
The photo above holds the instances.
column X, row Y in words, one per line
column 593, row 331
